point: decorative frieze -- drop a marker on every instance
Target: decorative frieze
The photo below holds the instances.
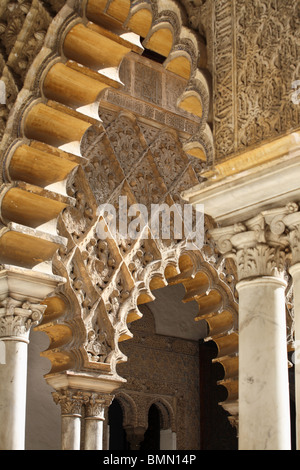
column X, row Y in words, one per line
column 253, row 53
column 224, row 112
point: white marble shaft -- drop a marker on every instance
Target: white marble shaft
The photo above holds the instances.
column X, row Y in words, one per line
column 264, row 416
column 13, row 381
column 93, row 433
column 21, row 292
column 295, row 272
column 70, row 432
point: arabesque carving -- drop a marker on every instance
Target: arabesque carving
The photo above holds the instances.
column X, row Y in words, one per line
column 71, row 163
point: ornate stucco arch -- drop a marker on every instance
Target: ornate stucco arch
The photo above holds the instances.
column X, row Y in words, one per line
column 53, row 186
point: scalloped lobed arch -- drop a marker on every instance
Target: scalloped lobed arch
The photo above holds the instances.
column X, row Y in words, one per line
column 43, row 144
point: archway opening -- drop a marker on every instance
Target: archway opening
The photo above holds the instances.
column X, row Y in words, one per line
column 117, row 434
column 152, row 435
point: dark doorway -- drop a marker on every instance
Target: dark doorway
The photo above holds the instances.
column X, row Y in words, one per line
column 152, row 435
column 117, row 435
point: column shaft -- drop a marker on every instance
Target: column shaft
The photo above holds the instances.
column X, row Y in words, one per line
column 13, row 384
column 94, row 434
column 95, row 406
column 295, row 272
column 70, row 432
column 264, row 415
column 70, row 402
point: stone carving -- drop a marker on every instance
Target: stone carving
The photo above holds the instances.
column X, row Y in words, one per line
column 169, row 157
column 102, row 169
column 105, row 281
column 148, row 84
column 267, row 63
column 96, row 267
column 154, row 99
column 253, row 86
column 70, row 401
column 125, row 139
column 23, row 28
column 17, row 318
column 261, row 246
column 223, row 76
column 261, row 260
column 253, row 56
column 95, row 404
column 23, row 25
column 80, row 217
column 97, row 347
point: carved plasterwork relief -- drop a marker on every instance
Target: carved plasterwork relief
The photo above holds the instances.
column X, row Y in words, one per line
column 253, row 55
column 103, row 275
column 136, row 149
column 23, row 26
column 267, row 63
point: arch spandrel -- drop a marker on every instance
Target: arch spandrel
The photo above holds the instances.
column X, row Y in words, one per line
column 105, row 282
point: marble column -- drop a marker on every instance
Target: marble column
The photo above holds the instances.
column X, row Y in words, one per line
column 264, row 422
column 84, row 397
column 21, row 294
column 259, row 247
column 95, row 406
column 16, row 320
column 292, row 222
column 70, row 402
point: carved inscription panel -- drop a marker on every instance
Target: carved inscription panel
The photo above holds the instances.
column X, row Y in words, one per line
column 256, row 62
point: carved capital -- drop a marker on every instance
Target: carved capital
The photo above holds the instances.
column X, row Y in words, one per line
column 18, row 317
column 260, row 260
column 95, row 404
column 70, row 402
column 260, row 246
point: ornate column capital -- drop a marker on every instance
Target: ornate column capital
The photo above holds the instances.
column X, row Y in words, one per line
column 70, row 402
column 18, row 317
column 95, row 404
column 261, row 245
